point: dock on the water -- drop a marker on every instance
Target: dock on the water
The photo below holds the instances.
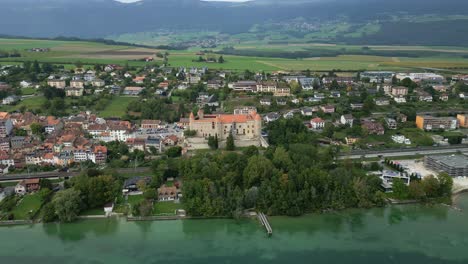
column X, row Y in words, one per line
column 264, row 220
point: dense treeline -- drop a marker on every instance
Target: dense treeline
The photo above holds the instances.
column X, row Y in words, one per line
column 278, row 182
column 156, row 109
column 323, row 52
column 450, row 33
column 9, row 54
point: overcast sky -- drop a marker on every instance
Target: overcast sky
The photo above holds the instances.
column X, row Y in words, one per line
column 130, row 1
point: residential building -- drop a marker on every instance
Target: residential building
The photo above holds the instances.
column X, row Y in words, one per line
column 391, row 123
column 6, row 127
column 381, row 101
column 57, row 83
column 347, row 120
column 194, row 78
column 139, row 79
column 307, row 84
column 424, row 96
column 245, row 86
column 351, row 140
column 166, row 193
column 399, row 99
column 266, row 87
column 77, row 84
column 98, row 83
column 281, row 101
column 378, row 76
column 317, row 123
column 27, row 186
column 12, row 99
column 290, row 79
column 426, row 122
column 132, row 90
column 400, row 139
column 373, row 127
column 463, row 120
column 77, row 92
column 356, row 106
column 99, row 155
column 151, row 124
column 132, row 185
column 53, row 124
column 282, row 92
column 153, row 142
column 399, row 91
column 444, row 97
column 340, row 80
column 388, row 177
column 328, row 109
column 307, row 111
column 5, row 144
column 419, row 77
column 245, row 110
column 6, row 159
column 271, row 117
column 214, row 84
column 206, row 99
column 453, row 165
column 17, row 142
column 265, row 101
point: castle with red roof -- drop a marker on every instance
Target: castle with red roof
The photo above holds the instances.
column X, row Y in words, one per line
column 244, row 126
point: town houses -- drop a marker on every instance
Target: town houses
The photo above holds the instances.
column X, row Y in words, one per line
column 69, row 140
column 198, row 103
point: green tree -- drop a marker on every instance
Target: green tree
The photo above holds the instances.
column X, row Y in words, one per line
column 48, row 213
column 230, row 143
column 431, row 186
column 400, row 189
column 145, row 208
column 67, row 204
column 221, row 59
column 174, row 152
column 445, row 185
column 37, row 129
column 213, row 142
column 416, row 190
column 258, row 169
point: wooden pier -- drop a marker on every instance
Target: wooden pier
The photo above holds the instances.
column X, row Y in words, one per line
column 264, row 220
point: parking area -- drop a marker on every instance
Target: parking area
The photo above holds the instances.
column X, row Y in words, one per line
column 416, row 166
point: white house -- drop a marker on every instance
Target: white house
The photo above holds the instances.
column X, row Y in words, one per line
column 10, row 100
column 271, row 117
column 347, row 120
column 317, row 123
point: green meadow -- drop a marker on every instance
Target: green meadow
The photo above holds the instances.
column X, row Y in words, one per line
column 88, row 53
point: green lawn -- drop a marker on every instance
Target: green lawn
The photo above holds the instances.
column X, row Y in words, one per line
column 28, row 91
column 7, row 184
column 166, row 207
column 32, row 103
column 117, row 107
column 134, row 199
column 29, row 203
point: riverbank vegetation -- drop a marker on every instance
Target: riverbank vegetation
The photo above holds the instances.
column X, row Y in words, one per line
column 426, row 190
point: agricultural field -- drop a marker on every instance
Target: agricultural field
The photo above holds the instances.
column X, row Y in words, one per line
column 321, row 56
column 68, row 52
column 342, row 62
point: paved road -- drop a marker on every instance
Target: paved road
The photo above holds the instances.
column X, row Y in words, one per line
column 404, row 152
column 55, row 174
